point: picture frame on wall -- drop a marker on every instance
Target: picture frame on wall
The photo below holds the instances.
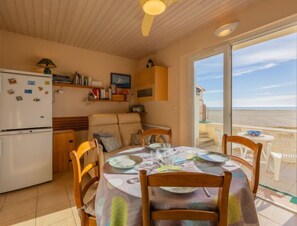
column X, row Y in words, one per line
column 120, row 80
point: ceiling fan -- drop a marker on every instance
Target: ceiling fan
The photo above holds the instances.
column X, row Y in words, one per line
column 151, row 9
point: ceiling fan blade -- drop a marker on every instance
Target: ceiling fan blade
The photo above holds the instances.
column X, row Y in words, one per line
column 170, row 2
column 147, row 24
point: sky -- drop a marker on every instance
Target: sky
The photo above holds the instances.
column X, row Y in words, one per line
column 263, row 75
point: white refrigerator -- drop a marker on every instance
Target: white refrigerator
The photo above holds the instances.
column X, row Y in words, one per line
column 25, row 129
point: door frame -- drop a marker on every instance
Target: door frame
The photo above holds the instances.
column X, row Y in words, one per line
column 227, row 87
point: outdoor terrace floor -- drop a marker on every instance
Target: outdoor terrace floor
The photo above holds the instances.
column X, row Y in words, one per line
column 282, row 192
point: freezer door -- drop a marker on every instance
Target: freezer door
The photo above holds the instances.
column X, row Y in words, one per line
column 25, row 159
column 25, row 101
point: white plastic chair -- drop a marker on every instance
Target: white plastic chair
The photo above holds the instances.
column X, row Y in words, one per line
column 284, row 150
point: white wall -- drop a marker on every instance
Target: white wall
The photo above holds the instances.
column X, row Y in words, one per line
column 175, row 112
column 21, row 52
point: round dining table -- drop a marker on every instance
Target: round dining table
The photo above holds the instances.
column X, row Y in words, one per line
column 118, row 196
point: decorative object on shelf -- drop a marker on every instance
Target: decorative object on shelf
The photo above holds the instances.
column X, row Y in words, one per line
column 150, row 63
column 95, row 93
column 118, row 97
column 96, row 83
column 59, row 91
column 109, row 94
column 120, row 80
column 61, row 78
column 113, row 89
column 125, row 93
column 47, row 64
column 226, row 29
column 137, row 108
column 81, row 80
column 102, row 94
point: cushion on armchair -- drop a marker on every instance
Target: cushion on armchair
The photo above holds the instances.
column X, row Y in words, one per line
column 129, row 123
column 98, row 137
column 110, row 143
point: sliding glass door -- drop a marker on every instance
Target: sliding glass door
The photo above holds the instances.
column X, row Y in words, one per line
column 211, row 71
column 264, row 100
column 252, row 87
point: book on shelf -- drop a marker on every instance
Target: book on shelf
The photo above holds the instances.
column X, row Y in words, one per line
column 61, row 79
column 81, row 80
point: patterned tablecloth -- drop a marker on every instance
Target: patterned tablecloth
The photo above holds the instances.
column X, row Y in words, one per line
column 118, row 203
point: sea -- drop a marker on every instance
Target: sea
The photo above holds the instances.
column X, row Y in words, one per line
column 275, row 117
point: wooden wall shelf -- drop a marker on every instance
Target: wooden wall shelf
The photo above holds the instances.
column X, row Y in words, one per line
column 86, row 87
column 109, row 100
column 75, row 86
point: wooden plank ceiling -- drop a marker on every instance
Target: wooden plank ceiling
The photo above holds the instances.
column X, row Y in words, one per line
column 110, row 26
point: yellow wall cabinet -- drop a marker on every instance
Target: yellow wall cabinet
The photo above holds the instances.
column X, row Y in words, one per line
column 152, row 84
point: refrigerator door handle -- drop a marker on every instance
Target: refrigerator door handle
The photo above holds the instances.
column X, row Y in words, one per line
column 0, row 148
column 0, row 83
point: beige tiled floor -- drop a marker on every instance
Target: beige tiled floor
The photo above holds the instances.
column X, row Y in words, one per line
column 52, row 203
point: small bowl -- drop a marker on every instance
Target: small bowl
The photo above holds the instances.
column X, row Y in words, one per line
column 250, row 132
column 257, row 133
column 254, row 133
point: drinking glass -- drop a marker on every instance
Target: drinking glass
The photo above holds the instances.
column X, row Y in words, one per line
column 152, row 159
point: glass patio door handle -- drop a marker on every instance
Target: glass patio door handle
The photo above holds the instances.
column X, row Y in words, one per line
column 0, row 148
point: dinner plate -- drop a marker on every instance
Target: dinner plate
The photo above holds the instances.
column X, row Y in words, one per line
column 180, row 190
column 155, row 146
column 125, row 161
column 214, row 157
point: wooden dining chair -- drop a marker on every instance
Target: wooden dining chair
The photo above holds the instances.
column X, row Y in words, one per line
column 185, row 179
column 255, row 166
column 81, row 175
column 157, row 133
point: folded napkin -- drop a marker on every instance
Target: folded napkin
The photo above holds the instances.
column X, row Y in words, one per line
column 168, row 168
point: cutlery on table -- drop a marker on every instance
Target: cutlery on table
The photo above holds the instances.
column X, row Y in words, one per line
column 206, row 192
column 135, row 180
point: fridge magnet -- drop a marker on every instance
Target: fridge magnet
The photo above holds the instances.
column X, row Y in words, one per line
column 36, row 99
column 28, row 91
column 46, row 92
column 19, row 98
column 12, row 81
column 31, row 83
column 47, row 82
column 10, row 91
column 40, row 88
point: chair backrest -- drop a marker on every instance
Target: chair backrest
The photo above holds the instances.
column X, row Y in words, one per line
column 255, row 166
column 185, row 179
column 155, row 132
column 129, row 123
column 79, row 172
column 288, row 149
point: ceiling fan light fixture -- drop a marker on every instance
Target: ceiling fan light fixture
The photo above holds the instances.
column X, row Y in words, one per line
column 226, row 29
column 154, row 7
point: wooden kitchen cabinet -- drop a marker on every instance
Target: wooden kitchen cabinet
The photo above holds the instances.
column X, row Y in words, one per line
column 152, row 84
column 63, row 144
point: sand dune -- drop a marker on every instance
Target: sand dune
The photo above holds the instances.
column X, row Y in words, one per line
column 264, row 118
